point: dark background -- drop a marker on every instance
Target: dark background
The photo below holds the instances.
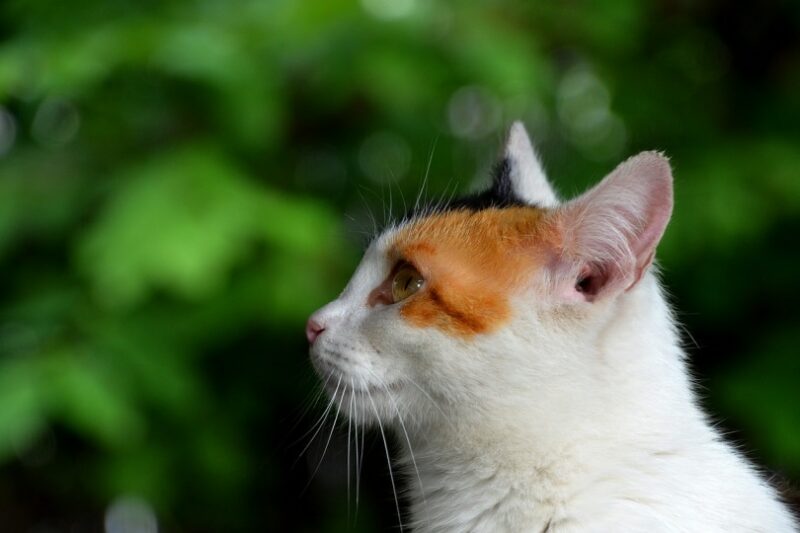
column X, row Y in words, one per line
column 182, row 183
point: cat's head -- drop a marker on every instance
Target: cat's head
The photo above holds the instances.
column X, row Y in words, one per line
column 490, row 295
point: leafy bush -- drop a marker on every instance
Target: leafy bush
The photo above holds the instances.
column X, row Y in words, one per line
column 181, row 183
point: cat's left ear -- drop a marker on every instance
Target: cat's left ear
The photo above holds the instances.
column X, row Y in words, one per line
column 524, row 171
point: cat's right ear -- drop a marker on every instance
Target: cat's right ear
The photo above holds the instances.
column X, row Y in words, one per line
column 524, row 171
column 609, row 234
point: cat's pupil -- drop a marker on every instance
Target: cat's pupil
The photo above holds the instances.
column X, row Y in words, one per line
column 583, row 284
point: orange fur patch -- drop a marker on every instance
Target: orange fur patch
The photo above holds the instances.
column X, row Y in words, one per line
column 471, row 261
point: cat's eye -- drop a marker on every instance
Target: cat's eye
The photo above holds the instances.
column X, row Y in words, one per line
column 406, row 282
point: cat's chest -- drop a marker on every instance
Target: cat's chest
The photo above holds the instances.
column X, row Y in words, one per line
column 481, row 499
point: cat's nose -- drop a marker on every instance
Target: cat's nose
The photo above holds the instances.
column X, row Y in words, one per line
column 313, row 330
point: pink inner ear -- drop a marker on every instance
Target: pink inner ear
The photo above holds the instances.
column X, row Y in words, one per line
column 591, row 281
column 611, row 231
column 656, row 216
column 644, row 247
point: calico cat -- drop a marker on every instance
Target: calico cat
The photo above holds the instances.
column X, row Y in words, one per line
column 522, row 351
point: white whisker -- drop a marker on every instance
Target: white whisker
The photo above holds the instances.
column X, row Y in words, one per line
column 433, row 402
column 388, row 458
column 405, row 432
column 360, row 463
column 370, row 213
column 391, row 207
column 308, row 405
column 328, row 442
column 320, row 422
column 349, row 425
column 403, row 197
column 427, row 173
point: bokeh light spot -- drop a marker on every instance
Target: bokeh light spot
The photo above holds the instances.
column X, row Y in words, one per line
column 389, row 9
column 129, row 514
column 55, row 123
column 584, row 110
column 473, row 112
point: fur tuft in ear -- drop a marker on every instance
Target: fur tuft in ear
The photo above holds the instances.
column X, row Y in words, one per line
column 527, row 179
column 610, row 233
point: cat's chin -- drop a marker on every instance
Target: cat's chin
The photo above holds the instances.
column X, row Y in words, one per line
column 360, row 390
column 369, row 403
column 340, row 383
column 367, row 391
column 365, row 402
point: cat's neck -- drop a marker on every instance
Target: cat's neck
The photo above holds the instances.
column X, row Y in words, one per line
column 638, row 402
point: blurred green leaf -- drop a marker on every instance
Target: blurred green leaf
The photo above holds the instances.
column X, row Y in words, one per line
column 183, row 182
column 181, row 224
column 23, row 409
column 88, row 398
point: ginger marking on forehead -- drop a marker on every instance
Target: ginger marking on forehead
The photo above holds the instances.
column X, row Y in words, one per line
column 420, row 247
column 472, row 262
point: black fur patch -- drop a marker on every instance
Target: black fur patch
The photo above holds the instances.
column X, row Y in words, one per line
column 499, row 195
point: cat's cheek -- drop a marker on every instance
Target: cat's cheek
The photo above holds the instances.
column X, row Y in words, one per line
column 392, row 336
column 461, row 316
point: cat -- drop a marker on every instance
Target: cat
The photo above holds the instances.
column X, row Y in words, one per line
column 522, row 351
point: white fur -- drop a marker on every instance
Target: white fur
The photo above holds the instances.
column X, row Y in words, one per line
column 527, row 174
column 578, row 416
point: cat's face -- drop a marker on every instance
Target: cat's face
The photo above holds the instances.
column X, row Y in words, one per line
column 454, row 306
column 427, row 309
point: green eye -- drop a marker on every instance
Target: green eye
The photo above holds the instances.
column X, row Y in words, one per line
column 406, row 282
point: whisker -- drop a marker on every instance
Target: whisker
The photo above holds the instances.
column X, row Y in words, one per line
column 402, row 197
column 391, row 207
column 446, row 198
column 405, row 432
column 328, row 442
column 435, row 404
column 320, row 422
column 315, row 395
column 355, row 458
column 388, row 459
column 369, row 212
column 427, row 173
column 349, row 425
column 360, row 462
column 689, row 334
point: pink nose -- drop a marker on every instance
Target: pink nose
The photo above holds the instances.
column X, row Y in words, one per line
column 313, row 330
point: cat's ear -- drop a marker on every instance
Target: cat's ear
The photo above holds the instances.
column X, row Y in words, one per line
column 524, row 171
column 610, row 233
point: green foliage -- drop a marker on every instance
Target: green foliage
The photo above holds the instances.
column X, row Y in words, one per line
column 181, row 183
